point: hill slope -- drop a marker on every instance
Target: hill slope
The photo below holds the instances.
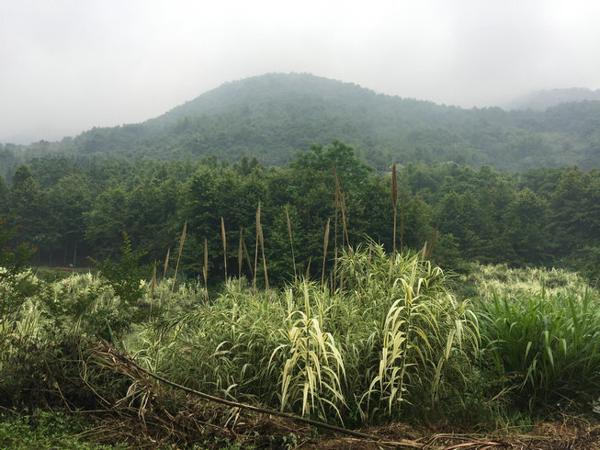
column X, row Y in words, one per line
column 273, row 116
column 544, row 99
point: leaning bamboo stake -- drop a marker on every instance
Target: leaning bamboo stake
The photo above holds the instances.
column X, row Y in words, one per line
column 181, row 242
column 335, row 270
column 153, row 282
column 325, row 245
column 224, row 239
column 394, row 204
column 247, row 255
column 345, row 227
column 345, row 236
column 402, row 208
column 340, row 206
column 152, row 287
column 337, row 205
column 166, row 265
column 430, row 244
column 256, row 247
column 205, row 268
column 262, row 247
column 290, row 235
column 240, row 255
column 307, row 272
column 344, row 217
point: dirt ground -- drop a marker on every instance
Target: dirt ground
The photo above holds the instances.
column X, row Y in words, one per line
column 572, row 434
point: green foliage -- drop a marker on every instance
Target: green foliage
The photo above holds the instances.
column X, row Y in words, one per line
column 541, row 332
column 124, row 275
column 326, row 352
column 391, row 342
column 313, row 369
column 46, row 430
column 13, row 257
column 547, row 217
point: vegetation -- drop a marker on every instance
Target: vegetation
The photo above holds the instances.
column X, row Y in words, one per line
column 464, row 299
column 275, row 116
column 391, row 342
column 45, row 430
column 72, row 211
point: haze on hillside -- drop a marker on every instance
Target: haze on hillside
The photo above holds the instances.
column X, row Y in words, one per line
column 69, row 65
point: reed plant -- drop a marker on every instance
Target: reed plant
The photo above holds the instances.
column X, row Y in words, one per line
column 357, row 354
column 392, row 343
column 544, row 344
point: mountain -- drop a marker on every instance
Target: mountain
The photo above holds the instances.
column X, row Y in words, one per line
column 544, row 99
column 272, row 117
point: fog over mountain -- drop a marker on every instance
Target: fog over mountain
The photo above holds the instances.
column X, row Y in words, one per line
column 544, row 99
column 68, row 65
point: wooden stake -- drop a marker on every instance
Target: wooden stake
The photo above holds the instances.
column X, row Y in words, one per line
column 325, row 245
column 289, row 227
column 166, row 265
column 181, row 242
column 224, row 239
column 205, row 268
column 394, row 204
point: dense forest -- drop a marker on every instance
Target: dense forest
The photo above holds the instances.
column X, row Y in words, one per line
column 74, row 211
column 273, row 117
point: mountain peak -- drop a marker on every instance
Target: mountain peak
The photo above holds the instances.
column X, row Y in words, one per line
column 264, row 88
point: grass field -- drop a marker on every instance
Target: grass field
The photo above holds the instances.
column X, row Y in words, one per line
column 396, row 341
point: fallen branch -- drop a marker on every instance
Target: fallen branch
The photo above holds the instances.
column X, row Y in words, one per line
column 118, row 359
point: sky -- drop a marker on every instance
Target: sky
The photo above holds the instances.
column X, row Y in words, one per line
column 69, row 65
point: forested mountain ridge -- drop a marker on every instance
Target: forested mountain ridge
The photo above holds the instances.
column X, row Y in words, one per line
column 272, row 117
column 544, row 99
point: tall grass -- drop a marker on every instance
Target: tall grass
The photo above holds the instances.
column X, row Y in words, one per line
column 313, row 370
column 545, row 344
column 392, row 342
column 331, row 354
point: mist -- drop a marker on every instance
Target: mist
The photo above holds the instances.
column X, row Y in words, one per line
column 67, row 66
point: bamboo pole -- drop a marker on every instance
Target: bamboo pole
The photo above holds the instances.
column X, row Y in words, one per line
column 325, row 245
column 291, row 237
column 181, row 242
column 224, row 239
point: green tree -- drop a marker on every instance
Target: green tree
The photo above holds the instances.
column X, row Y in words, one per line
column 68, row 200
column 29, row 212
column 528, row 217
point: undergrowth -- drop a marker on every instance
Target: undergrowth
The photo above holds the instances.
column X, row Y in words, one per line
column 387, row 341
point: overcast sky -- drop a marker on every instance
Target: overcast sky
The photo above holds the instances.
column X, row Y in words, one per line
column 68, row 65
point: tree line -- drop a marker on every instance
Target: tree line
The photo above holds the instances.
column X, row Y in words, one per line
column 74, row 211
